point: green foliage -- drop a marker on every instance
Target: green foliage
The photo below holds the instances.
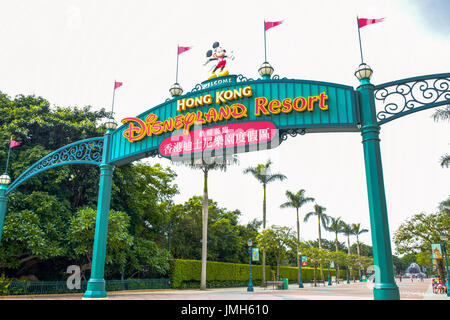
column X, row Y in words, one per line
column 4, row 285
column 227, row 240
column 186, row 273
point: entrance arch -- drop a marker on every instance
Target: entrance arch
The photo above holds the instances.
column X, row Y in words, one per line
column 291, row 107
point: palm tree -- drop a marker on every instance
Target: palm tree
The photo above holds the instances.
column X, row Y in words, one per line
column 356, row 229
column 348, row 231
column 335, row 225
column 262, row 173
column 319, row 211
column 207, row 164
column 443, row 114
column 296, row 201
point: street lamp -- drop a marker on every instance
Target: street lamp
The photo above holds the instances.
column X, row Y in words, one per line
column 110, row 124
column 363, row 72
column 5, row 179
column 265, row 70
column 444, row 239
column 176, row 90
column 300, row 283
column 250, row 284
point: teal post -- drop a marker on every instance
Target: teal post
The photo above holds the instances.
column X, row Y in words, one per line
column 3, row 203
column 329, row 275
column 385, row 287
column 96, row 284
column 250, row 283
column 300, row 283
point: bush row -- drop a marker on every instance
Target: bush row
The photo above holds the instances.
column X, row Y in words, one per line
column 187, row 273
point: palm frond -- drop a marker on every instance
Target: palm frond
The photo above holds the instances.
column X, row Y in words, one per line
column 445, row 161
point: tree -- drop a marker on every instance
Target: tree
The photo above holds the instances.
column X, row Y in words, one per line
column 319, row 211
column 263, row 174
column 40, row 210
column 80, row 236
column 335, row 225
column 443, row 114
column 317, row 257
column 348, row 231
column 206, row 165
column 417, row 234
column 296, row 201
column 357, row 231
column 277, row 240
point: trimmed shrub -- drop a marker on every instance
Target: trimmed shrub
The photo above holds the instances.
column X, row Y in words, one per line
column 187, row 273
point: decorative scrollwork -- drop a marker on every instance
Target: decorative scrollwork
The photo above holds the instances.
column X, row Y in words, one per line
column 398, row 98
column 242, row 78
column 153, row 154
column 292, row 132
column 197, row 87
column 87, row 151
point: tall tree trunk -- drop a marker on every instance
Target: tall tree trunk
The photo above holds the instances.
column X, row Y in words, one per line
column 348, row 244
column 320, row 246
column 337, row 266
column 264, row 228
column 298, row 241
column 359, row 255
column 204, row 229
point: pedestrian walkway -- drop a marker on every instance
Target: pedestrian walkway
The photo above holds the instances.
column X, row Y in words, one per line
column 343, row 291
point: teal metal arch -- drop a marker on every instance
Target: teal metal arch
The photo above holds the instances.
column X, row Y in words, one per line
column 402, row 97
column 87, row 151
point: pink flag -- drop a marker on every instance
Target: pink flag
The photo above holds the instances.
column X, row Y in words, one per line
column 117, row 84
column 271, row 24
column 183, row 49
column 13, row 144
column 362, row 22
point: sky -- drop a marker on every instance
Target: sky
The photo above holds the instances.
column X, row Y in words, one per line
column 71, row 52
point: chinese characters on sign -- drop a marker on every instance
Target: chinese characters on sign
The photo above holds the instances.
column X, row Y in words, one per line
column 220, row 137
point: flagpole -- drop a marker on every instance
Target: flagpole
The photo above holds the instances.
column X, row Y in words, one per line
column 114, row 93
column 359, row 35
column 265, row 54
column 178, row 53
column 7, row 159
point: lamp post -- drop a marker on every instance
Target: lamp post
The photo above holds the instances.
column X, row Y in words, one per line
column 250, row 284
column 348, row 280
column 329, row 275
column 385, row 287
column 444, row 239
column 300, row 282
column 5, row 180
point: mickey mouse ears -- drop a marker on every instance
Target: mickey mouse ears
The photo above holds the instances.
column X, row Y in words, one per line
column 215, row 45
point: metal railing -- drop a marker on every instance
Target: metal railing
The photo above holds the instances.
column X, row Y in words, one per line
column 60, row 287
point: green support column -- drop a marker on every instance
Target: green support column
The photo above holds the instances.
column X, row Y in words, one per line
column 96, row 284
column 3, row 203
column 385, row 287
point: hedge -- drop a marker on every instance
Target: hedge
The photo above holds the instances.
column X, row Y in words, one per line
column 187, row 273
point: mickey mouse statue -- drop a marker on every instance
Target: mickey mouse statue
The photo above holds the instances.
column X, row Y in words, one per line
column 218, row 54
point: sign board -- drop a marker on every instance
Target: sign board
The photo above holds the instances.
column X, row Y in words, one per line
column 255, row 254
column 436, row 251
column 241, row 106
column 332, row 264
column 304, row 260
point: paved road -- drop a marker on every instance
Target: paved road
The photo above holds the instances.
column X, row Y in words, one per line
column 354, row 291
